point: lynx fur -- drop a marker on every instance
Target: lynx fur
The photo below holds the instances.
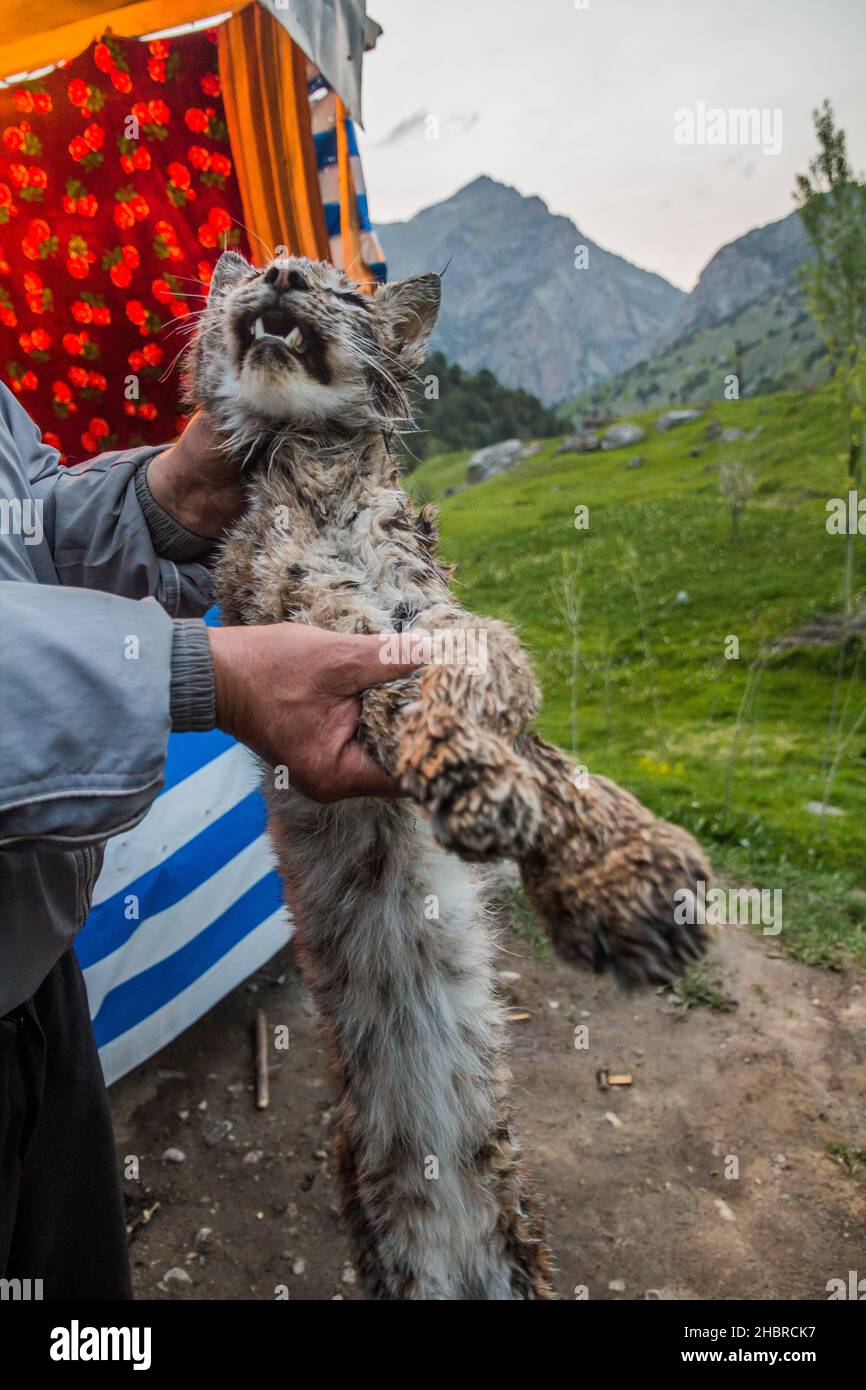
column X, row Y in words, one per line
column 304, row 378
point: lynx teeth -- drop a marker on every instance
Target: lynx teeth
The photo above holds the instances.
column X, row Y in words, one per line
column 295, row 340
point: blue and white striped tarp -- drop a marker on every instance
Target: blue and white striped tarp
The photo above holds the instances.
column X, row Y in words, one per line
column 188, row 903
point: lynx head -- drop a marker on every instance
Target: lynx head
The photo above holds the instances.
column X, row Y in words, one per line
column 297, row 343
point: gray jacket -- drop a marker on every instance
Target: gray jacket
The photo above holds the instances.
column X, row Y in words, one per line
column 101, row 658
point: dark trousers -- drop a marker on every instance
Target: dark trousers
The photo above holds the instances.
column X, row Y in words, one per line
column 61, row 1213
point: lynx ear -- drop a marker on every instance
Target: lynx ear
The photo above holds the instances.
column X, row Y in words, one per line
column 407, row 311
column 229, row 269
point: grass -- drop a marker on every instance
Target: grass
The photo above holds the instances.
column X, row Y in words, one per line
column 662, row 587
column 698, row 989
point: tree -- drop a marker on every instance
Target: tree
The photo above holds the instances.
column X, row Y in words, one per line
column 832, row 206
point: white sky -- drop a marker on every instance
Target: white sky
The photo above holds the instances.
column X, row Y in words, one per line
column 577, row 106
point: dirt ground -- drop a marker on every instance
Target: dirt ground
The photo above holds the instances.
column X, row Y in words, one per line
column 634, row 1181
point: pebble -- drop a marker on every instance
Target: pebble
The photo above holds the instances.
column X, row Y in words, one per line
column 218, row 1132
column 177, row 1276
column 617, row 1286
column 509, row 975
column 203, row 1236
column 553, row 1003
column 173, row 1156
column 780, row 1161
column 298, row 1266
column 253, row 1156
column 613, row 1119
column 723, row 1209
column 349, row 1275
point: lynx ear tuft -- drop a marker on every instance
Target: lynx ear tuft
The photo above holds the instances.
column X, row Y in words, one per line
column 408, row 310
column 228, row 271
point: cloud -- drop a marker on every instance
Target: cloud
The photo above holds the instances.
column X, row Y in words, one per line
column 403, row 128
column 458, row 123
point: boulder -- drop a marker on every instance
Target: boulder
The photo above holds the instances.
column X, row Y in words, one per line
column 621, row 436
column 496, row 458
column 671, row 418
column 584, row 442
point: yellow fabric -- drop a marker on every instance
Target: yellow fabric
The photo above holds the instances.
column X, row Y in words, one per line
column 39, row 32
column 268, row 118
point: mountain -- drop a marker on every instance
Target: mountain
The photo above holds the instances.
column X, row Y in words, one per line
column 741, row 272
column 513, row 300
column 747, row 315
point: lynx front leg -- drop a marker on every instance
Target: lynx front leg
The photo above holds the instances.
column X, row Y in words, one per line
column 455, row 754
column 605, row 874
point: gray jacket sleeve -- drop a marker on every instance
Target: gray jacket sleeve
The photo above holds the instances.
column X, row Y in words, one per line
column 96, row 681
column 85, row 721
column 107, row 532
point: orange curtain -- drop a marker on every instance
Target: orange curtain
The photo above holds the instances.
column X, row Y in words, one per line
column 349, row 234
column 268, row 117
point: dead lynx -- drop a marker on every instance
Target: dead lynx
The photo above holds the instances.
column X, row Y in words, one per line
column 305, row 378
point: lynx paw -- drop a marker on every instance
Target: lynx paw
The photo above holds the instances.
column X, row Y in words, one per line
column 618, row 913
column 482, row 798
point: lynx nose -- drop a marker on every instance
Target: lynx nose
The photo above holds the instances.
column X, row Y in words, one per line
column 283, row 278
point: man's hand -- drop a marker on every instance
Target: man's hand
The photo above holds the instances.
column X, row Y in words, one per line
column 292, row 694
column 196, row 482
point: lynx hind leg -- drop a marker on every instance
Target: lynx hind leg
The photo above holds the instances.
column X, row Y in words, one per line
column 456, row 754
column 605, row 873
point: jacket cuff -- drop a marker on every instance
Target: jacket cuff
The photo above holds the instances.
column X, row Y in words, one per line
column 169, row 538
column 192, row 691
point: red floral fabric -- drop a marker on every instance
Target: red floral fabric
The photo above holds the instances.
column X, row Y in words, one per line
column 117, row 194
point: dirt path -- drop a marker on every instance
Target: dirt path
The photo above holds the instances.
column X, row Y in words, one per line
column 633, row 1208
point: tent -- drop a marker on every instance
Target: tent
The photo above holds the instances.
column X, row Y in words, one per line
column 129, row 158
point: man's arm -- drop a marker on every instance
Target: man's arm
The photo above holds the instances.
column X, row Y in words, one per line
column 88, row 705
column 106, row 521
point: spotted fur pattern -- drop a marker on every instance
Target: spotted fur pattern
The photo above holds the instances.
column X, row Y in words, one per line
column 305, row 379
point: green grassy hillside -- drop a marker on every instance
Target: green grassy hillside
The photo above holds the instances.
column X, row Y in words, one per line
column 661, row 586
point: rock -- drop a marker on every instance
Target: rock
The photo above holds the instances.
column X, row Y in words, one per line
column 819, row 808
column 724, row 1210
column 616, row 1285
column 585, row 442
column 669, row 419
column 218, row 1132
column 496, row 458
column 621, row 436
column 613, row 1119
column 682, row 596
column 173, row 1156
column 636, row 461
column 203, row 1236
column 298, row 1266
column 177, row 1278
column 728, row 436
column 780, row 1161
column 349, row 1275
column 253, row 1156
